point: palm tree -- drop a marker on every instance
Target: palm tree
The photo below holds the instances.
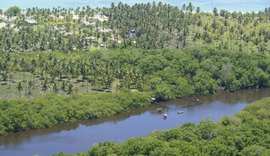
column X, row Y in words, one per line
column 30, row 85
column 70, row 88
column 55, row 87
column 45, row 85
column 19, row 88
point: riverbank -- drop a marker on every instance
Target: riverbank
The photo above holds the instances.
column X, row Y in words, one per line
column 77, row 136
column 47, row 111
column 245, row 133
column 165, row 74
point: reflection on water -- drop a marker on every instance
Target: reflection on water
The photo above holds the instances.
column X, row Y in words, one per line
column 19, row 137
column 80, row 136
column 247, row 96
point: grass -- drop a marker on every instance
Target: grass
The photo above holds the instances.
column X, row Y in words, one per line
column 8, row 89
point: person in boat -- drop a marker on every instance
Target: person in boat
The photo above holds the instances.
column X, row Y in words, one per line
column 159, row 109
column 198, row 101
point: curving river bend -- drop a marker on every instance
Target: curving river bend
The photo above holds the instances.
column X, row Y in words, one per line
column 80, row 136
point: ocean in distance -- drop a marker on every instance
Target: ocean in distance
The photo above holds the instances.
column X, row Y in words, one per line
column 205, row 5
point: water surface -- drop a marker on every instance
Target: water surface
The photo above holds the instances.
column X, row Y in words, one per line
column 80, row 136
column 206, row 5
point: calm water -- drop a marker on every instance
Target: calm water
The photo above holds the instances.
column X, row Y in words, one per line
column 80, row 136
column 233, row 5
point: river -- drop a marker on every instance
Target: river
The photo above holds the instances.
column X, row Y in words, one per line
column 80, row 136
column 206, row 5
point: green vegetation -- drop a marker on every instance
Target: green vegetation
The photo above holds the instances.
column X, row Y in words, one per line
column 147, row 26
column 13, row 11
column 166, row 74
column 246, row 133
column 236, row 57
column 169, row 53
column 24, row 114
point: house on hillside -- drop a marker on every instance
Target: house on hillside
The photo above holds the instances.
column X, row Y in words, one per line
column 76, row 17
column 100, row 18
column 30, row 21
column 133, row 33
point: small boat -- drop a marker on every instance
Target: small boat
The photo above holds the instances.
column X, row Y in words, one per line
column 197, row 101
column 180, row 112
column 165, row 116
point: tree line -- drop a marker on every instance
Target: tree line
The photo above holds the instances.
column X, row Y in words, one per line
column 165, row 73
column 25, row 114
column 148, row 26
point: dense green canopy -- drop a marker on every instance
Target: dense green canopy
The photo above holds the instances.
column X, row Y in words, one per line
column 25, row 114
column 165, row 73
column 13, row 11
